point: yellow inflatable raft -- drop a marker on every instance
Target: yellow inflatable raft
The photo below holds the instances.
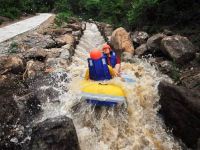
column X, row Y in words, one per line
column 100, row 93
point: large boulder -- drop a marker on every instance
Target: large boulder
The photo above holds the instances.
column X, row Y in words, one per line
column 33, row 68
column 74, row 26
column 69, row 48
column 39, row 41
column 120, row 40
column 178, row 48
column 191, row 78
column 35, row 53
column 141, row 50
column 154, row 42
column 56, row 64
column 139, row 37
column 55, row 133
column 9, row 115
column 53, row 52
column 16, row 112
column 180, row 108
column 65, row 39
column 28, row 105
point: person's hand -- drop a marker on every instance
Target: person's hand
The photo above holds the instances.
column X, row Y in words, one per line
column 116, row 73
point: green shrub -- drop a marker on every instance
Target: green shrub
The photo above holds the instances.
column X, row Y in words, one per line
column 139, row 7
column 13, row 48
column 62, row 17
column 12, row 13
column 62, row 6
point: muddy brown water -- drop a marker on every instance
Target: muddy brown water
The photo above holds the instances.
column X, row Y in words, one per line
column 134, row 126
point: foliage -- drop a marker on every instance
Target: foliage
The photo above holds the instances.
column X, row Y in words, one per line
column 62, row 6
column 132, row 14
column 139, row 7
column 175, row 72
column 13, row 48
column 61, row 18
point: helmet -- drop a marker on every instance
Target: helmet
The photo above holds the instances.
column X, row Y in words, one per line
column 95, row 54
column 106, row 46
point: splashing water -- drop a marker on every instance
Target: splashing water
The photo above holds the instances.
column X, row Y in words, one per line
column 134, row 126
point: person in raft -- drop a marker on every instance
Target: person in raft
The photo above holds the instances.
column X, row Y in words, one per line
column 112, row 59
column 98, row 70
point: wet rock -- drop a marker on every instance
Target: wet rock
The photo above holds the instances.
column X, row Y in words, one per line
column 55, row 133
column 191, row 78
column 178, row 48
column 180, row 108
column 166, row 66
column 74, row 26
column 154, row 42
column 33, row 68
column 57, row 63
column 35, row 54
column 65, row 55
column 28, row 105
column 139, row 37
column 127, row 57
column 9, row 115
column 121, row 41
column 53, row 52
column 69, row 48
column 16, row 112
column 83, row 26
column 10, row 82
column 13, row 64
column 106, row 29
column 77, row 34
column 58, row 32
column 141, row 50
column 49, row 94
column 39, row 41
column 73, row 20
column 65, row 39
column 9, row 112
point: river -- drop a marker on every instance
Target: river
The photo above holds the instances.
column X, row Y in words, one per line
column 133, row 126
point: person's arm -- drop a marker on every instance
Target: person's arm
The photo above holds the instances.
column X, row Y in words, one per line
column 117, row 68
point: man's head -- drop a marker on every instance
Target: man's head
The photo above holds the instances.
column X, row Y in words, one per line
column 106, row 48
column 95, row 54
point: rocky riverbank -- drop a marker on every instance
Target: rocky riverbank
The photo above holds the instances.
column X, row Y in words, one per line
column 28, row 62
column 175, row 56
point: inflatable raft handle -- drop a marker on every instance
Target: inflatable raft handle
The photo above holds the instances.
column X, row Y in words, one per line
column 103, row 83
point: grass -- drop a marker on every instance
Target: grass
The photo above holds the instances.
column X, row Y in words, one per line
column 13, row 48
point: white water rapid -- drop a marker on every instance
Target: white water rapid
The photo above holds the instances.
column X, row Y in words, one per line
column 135, row 126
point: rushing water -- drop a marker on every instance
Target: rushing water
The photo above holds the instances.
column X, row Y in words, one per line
column 134, row 126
